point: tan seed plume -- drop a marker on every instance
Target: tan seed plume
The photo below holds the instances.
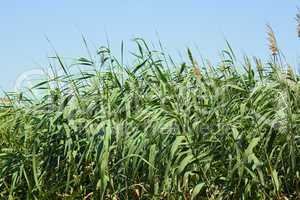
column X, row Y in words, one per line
column 272, row 41
column 290, row 72
column 4, row 101
column 197, row 73
column 196, row 68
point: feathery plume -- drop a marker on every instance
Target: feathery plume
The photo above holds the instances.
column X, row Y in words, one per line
column 4, row 101
column 196, row 68
column 197, row 71
column 290, row 72
column 272, row 41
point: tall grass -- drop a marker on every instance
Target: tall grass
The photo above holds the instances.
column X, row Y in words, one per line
column 148, row 131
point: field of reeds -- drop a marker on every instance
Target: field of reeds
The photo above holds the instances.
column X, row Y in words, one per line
column 156, row 129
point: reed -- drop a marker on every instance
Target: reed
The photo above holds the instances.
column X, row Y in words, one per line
column 148, row 131
column 272, row 41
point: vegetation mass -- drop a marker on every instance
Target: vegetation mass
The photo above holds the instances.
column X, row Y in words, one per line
column 154, row 130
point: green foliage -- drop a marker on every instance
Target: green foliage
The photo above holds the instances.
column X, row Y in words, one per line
column 150, row 131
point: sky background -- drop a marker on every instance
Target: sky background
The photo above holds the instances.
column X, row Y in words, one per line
column 200, row 24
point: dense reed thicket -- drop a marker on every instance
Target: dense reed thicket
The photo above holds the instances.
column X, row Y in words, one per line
column 154, row 130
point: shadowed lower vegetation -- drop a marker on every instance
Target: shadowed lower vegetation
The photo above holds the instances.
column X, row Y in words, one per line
column 154, row 130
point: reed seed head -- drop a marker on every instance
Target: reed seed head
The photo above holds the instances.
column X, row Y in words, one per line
column 272, row 41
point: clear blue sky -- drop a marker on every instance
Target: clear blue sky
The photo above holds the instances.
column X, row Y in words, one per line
column 179, row 23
